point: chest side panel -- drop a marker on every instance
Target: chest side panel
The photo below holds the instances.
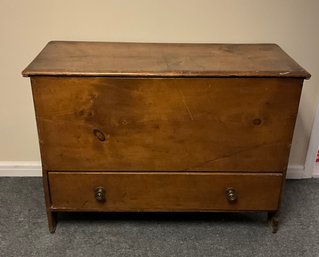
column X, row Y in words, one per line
column 184, row 124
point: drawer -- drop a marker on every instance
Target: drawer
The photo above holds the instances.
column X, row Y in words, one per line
column 114, row 124
column 162, row 191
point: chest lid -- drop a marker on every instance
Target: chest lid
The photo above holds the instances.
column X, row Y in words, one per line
column 68, row 58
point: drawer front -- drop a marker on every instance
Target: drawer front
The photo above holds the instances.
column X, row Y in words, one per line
column 160, row 191
column 113, row 124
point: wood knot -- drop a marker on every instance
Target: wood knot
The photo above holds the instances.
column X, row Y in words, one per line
column 257, row 121
column 99, row 134
column 124, row 122
column 84, row 113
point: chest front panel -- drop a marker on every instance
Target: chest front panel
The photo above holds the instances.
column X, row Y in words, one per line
column 195, row 124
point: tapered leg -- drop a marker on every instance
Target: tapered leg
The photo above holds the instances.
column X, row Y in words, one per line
column 52, row 216
column 273, row 219
column 52, row 220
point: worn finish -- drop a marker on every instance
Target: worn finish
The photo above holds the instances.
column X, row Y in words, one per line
column 163, row 60
column 165, row 191
column 212, row 124
column 164, row 127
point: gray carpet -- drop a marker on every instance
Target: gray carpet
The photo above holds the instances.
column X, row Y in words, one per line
column 24, row 232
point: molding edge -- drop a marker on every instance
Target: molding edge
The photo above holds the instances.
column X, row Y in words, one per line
column 20, row 169
column 34, row 169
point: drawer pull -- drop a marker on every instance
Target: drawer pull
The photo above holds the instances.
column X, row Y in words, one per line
column 231, row 195
column 100, row 194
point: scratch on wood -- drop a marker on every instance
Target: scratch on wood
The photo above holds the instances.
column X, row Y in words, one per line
column 82, row 123
column 84, row 203
column 166, row 62
column 228, row 155
column 186, row 106
column 284, row 73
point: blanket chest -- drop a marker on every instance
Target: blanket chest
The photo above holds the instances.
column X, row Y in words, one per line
column 164, row 127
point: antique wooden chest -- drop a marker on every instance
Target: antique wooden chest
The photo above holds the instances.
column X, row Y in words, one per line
column 164, row 127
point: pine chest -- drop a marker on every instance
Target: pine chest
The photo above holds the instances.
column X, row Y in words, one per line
column 164, row 127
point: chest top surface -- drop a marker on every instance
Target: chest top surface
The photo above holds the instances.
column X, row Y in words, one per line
column 70, row 58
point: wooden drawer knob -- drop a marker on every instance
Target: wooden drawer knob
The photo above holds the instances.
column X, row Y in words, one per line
column 100, row 194
column 231, row 195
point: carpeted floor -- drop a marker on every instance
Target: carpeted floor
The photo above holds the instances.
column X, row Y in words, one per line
column 24, row 232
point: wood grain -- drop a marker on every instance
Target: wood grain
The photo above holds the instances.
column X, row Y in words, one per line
column 164, row 60
column 164, row 191
column 194, row 124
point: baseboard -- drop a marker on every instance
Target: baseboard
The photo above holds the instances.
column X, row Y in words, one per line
column 20, row 169
column 316, row 172
column 34, row 169
column 296, row 172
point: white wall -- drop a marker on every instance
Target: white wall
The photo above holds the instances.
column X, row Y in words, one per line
column 26, row 26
